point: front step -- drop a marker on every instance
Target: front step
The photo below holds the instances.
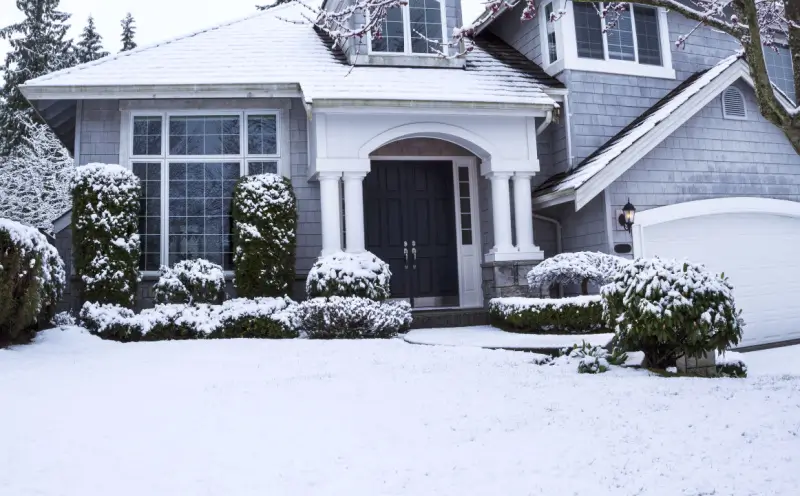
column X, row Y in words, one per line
column 424, row 319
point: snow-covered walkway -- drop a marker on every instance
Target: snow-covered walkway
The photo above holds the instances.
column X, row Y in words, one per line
column 494, row 338
column 84, row 417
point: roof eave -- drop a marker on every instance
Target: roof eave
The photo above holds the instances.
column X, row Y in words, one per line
column 551, row 198
column 83, row 92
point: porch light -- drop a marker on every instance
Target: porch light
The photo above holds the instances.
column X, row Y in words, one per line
column 627, row 216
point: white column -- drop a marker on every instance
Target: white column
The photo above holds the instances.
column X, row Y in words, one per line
column 354, row 211
column 523, row 212
column 501, row 212
column 330, row 206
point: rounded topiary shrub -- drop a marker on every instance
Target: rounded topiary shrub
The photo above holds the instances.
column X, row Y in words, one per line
column 110, row 321
column 576, row 315
column 32, row 281
column 271, row 318
column 264, row 235
column 190, row 281
column 581, row 268
column 105, row 210
column 668, row 309
column 351, row 318
column 350, row 274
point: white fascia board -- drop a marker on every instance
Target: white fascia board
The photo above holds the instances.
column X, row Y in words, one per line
column 554, row 198
column 431, row 107
column 280, row 90
column 600, row 181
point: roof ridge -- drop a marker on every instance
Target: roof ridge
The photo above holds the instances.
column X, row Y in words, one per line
column 144, row 48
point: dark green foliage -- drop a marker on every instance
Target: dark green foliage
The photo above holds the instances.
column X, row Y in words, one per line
column 90, row 45
column 31, row 282
column 667, row 309
column 264, row 235
column 352, row 318
column 38, row 46
column 105, row 242
column 580, row 315
column 190, row 281
column 128, row 31
column 349, row 274
column 110, row 322
column 253, row 326
column 735, row 369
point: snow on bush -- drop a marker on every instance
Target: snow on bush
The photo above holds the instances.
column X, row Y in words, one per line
column 63, row 319
column 576, row 268
column 190, row 281
column 104, row 233
column 667, row 308
column 591, row 359
column 239, row 318
column 264, row 235
column 352, row 318
column 576, row 315
column 38, row 173
column 350, row 274
column 32, row 281
column 731, row 364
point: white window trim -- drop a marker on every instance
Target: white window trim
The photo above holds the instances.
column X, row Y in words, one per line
column 567, row 46
column 407, row 36
column 126, row 156
column 545, row 42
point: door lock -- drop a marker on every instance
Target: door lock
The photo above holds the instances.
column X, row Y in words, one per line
column 405, row 253
column 414, row 252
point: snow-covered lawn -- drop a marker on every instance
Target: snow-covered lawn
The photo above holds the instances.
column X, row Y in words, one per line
column 86, row 417
column 492, row 337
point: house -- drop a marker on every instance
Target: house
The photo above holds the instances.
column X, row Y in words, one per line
column 435, row 164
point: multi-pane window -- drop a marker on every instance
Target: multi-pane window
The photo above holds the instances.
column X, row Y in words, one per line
column 779, row 68
column 465, row 204
column 415, row 28
column 633, row 36
column 550, row 29
column 187, row 185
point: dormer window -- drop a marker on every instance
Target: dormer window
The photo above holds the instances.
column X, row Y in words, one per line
column 414, row 29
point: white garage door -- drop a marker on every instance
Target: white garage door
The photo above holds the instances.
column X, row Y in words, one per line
column 759, row 251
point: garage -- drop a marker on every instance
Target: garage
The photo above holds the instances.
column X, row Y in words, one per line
column 754, row 241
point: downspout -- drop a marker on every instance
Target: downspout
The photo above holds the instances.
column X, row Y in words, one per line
column 568, row 126
column 558, row 241
column 548, row 118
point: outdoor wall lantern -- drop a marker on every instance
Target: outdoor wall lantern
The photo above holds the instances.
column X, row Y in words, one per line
column 627, row 216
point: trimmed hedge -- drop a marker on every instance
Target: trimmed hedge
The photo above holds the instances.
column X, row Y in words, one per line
column 269, row 318
column 190, row 281
column 32, row 281
column 581, row 267
column 352, row 318
column 667, row 308
column 264, row 235
column 350, row 274
column 105, row 240
column 576, row 315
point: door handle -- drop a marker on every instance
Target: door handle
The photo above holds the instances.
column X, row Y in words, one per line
column 414, row 252
column 405, row 253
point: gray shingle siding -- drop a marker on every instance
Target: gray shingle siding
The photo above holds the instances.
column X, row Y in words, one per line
column 99, row 132
column 523, row 36
column 712, row 157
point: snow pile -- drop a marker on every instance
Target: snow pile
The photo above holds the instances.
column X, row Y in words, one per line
column 350, row 274
column 666, row 308
column 190, row 281
column 105, row 232
column 576, row 268
column 352, row 318
column 264, row 235
column 509, row 305
column 575, row 315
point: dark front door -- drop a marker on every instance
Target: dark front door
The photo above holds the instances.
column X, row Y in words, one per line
column 410, row 223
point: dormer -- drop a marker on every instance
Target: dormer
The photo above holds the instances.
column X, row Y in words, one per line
column 399, row 43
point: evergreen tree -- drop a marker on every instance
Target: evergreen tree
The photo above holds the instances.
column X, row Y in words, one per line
column 90, row 45
column 128, row 30
column 38, row 46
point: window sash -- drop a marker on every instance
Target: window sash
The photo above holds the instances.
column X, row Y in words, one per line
column 615, row 48
column 408, row 35
column 550, row 39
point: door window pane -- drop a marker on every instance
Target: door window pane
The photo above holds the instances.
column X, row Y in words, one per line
column 588, row 31
column 147, row 135
column 199, row 211
column 149, row 175
column 204, row 135
column 647, row 37
column 262, row 135
column 620, row 38
column 425, row 17
column 390, row 38
column 465, row 204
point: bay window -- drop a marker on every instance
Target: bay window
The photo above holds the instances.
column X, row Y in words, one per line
column 188, row 165
column 417, row 28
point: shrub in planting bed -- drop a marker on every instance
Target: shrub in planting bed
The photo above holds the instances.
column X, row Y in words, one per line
column 582, row 268
column 576, row 315
column 190, row 281
column 352, row 318
column 349, row 274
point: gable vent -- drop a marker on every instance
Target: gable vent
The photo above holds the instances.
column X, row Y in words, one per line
column 733, row 104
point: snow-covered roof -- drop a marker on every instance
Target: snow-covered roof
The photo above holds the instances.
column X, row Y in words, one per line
column 265, row 49
column 637, row 130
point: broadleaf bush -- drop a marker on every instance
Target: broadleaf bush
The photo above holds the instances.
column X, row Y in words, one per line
column 575, row 315
column 350, row 274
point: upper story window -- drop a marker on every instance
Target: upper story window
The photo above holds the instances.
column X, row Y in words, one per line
column 413, row 29
column 779, row 68
column 549, row 27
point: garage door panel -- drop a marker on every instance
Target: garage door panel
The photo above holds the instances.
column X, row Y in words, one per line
column 760, row 254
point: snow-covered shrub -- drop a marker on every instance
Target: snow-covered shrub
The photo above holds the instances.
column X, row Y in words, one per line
column 104, row 233
column 575, row 315
column 190, row 281
column 731, row 364
column 350, row 274
column 178, row 321
column 667, row 308
column 593, row 359
column 32, row 281
column 271, row 318
column 352, row 318
column 576, row 268
column 264, row 235
column 63, row 319
column 38, row 173
column 111, row 321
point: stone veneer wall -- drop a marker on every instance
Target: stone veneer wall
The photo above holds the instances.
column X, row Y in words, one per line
column 501, row 279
